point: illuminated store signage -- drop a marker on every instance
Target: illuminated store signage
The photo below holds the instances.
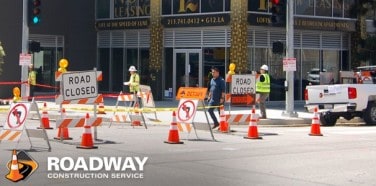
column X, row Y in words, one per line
column 118, row 24
column 199, row 20
column 307, row 23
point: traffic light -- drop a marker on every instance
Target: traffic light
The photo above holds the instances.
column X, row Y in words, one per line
column 278, row 11
column 34, row 46
column 277, row 47
column 34, row 10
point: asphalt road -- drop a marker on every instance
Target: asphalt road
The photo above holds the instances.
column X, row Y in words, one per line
column 344, row 155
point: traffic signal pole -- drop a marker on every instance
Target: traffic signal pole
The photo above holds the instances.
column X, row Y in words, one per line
column 290, row 54
column 25, row 39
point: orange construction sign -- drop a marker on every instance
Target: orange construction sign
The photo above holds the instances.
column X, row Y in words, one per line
column 198, row 93
column 243, row 99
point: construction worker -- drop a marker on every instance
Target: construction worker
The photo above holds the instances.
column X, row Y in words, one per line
column 133, row 83
column 32, row 80
column 263, row 89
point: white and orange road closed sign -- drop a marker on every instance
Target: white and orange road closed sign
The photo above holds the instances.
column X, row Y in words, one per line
column 243, row 84
column 77, row 85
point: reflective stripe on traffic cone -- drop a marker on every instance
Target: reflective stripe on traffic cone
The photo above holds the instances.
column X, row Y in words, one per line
column 63, row 133
column 87, row 139
column 315, row 126
column 101, row 109
column 252, row 129
column 173, row 135
column 223, row 125
column 14, row 173
column 136, row 122
column 45, row 121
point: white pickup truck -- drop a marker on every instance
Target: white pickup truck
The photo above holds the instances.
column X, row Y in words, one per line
column 342, row 100
column 346, row 100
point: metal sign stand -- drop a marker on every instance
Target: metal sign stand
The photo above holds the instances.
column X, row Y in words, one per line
column 131, row 99
column 20, row 112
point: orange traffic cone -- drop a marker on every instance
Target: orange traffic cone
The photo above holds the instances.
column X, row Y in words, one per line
column 173, row 135
column 87, row 139
column 14, row 173
column 101, row 109
column 136, row 122
column 63, row 133
column 252, row 129
column 45, row 120
column 315, row 126
column 223, row 125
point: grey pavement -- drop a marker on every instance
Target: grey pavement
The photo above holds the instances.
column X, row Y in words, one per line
column 277, row 159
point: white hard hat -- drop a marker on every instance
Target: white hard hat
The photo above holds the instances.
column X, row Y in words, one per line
column 264, row 67
column 132, row 68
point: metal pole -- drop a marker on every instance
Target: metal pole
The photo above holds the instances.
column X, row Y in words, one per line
column 289, row 54
column 25, row 39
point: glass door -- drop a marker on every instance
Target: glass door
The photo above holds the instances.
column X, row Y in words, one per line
column 187, row 69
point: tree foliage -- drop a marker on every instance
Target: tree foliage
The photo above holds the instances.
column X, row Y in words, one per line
column 2, row 55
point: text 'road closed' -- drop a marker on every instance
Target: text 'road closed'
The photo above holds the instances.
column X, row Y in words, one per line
column 79, row 85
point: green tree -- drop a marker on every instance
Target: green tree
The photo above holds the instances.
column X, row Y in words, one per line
column 360, row 41
column 2, row 55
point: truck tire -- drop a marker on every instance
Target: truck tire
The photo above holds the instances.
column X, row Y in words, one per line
column 370, row 114
column 328, row 119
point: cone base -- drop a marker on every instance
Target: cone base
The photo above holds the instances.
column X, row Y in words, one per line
column 45, row 128
column 311, row 134
column 136, row 124
column 173, row 142
column 15, row 177
column 246, row 137
column 86, row 147
column 63, row 138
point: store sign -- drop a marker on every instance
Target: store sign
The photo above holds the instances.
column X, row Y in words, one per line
column 307, row 23
column 199, row 20
column 131, row 8
column 119, row 24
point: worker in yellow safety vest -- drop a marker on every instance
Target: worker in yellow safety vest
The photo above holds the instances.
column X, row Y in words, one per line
column 32, row 80
column 134, row 83
column 263, row 89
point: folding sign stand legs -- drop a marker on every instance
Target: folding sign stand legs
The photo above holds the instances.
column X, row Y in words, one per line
column 207, row 121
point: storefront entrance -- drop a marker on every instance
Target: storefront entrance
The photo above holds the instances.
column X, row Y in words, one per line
column 187, row 69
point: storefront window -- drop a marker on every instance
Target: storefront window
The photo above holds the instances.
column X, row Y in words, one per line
column 193, row 6
column 102, row 9
column 349, row 9
column 331, row 62
column 258, row 5
column 104, row 58
column 144, row 67
column 337, row 8
column 117, row 70
column 304, row 7
column 323, row 8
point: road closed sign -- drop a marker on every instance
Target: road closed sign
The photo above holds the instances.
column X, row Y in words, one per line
column 243, row 84
column 78, row 85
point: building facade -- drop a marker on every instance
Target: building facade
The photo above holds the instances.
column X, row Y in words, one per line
column 197, row 35
column 174, row 43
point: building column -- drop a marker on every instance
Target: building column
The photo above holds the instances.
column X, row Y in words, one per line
column 238, row 50
column 156, row 49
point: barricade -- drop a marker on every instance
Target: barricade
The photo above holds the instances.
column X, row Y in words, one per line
column 232, row 119
column 135, row 114
column 15, row 124
column 86, row 99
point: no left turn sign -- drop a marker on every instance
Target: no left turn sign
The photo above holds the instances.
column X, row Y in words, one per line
column 17, row 116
